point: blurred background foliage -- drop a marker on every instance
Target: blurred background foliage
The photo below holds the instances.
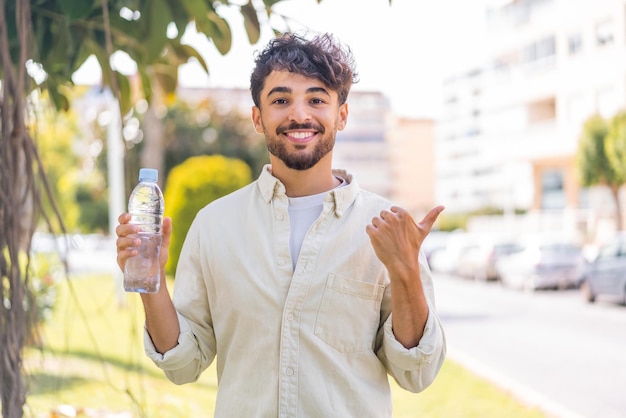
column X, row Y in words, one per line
column 75, row 155
column 192, row 185
column 204, row 128
column 75, row 168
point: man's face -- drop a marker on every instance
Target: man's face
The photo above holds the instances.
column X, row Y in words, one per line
column 300, row 117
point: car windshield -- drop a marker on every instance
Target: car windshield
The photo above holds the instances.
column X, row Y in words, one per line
column 611, row 250
column 564, row 249
column 506, row 248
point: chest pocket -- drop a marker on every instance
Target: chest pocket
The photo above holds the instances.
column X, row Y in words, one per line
column 349, row 314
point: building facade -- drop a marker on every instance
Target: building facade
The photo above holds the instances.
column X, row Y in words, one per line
column 411, row 160
column 509, row 131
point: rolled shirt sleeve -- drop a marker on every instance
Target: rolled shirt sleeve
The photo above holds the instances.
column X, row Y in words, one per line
column 414, row 369
column 181, row 364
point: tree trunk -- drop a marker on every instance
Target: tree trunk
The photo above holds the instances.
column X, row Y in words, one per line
column 19, row 199
column 12, row 199
column 153, row 150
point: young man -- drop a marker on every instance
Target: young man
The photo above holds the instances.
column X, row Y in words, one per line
column 307, row 290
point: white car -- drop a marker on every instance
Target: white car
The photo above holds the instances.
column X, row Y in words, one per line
column 478, row 262
column 542, row 265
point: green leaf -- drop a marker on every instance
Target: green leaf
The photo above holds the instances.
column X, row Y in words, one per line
column 251, row 22
column 180, row 16
column 92, row 46
column 59, row 99
column 44, row 36
column 217, row 30
column 108, row 73
column 124, row 85
column 180, row 54
column 197, row 9
column 125, row 32
column 270, row 3
column 616, row 146
column 76, row 9
column 192, row 52
column 146, row 84
column 80, row 57
column 166, row 76
column 158, row 18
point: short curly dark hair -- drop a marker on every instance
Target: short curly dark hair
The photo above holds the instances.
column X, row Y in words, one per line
column 322, row 57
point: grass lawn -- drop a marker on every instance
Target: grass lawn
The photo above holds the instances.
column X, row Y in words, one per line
column 92, row 364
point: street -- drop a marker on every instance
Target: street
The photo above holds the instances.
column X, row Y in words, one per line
column 549, row 348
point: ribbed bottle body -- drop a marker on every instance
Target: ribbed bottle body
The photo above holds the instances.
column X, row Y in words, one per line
column 142, row 273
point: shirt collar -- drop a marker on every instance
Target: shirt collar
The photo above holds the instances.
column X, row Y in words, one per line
column 341, row 198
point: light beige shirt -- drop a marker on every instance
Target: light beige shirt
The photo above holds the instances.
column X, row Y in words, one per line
column 314, row 341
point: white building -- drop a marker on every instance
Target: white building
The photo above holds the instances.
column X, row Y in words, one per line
column 509, row 132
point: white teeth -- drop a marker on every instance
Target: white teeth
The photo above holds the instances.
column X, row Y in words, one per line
column 300, row 135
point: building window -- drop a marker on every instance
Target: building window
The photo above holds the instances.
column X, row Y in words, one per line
column 575, row 44
column 546, row 47
column 543, row 48
column 604, row 33
column 541, row 110
column 552, row 190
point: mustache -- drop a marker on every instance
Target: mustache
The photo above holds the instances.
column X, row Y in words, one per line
column 300, row 126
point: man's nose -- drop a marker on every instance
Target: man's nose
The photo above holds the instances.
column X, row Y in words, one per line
column 299, row 112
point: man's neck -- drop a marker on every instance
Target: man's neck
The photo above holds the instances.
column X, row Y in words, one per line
column 299, row 183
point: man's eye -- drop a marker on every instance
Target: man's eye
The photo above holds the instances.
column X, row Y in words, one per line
column 280, row 101
column 317, row 101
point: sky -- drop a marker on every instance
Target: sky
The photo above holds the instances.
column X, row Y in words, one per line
column 403, row 50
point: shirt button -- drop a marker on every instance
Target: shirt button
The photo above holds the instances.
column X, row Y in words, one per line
column 289, row 371
column 281, row 262
column 279, row 216
column 290, row 317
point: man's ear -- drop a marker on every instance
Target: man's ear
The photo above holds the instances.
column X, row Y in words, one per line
column 343, row 117
column 256, row 120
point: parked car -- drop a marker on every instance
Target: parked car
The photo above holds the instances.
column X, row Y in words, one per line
column 542, row 264
column 445, row 258
column 434, row 241
column 478, row 262
column 606, row 274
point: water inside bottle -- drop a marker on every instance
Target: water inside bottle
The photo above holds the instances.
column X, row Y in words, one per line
column 142, row 272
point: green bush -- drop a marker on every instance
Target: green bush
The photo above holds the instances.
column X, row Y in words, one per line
column 192, row 185
column 451, row 222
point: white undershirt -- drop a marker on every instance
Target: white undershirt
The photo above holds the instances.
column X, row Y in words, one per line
column 303, row 211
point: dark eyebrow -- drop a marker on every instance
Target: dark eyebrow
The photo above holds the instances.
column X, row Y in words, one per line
column 318, row 90
column 281, row 89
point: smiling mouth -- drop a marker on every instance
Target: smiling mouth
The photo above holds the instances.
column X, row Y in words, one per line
column 300, row 136
column 300, row 132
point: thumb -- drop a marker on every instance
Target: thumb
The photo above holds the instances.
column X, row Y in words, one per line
column 427, row 222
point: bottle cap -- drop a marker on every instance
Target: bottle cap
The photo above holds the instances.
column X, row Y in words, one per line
column 148, row 174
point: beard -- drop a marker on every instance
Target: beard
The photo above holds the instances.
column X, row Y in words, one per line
column 301, row 159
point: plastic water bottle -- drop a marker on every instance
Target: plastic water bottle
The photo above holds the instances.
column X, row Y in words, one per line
column 142, row 272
